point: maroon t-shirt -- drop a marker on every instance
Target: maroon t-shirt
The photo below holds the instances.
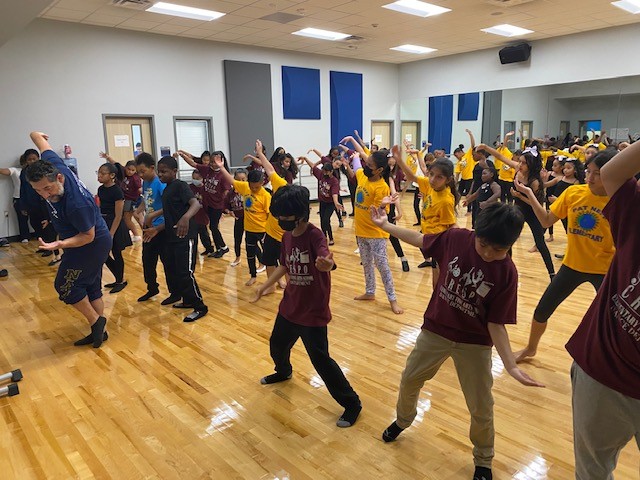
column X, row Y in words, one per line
column 235, row 203
column 327, row 186
column 201, row 217
column 131, row 186
column 306, row 297
column 259, row 168
column 470, row 292
column 606, row 344
column 215, row 186
column 397, row 178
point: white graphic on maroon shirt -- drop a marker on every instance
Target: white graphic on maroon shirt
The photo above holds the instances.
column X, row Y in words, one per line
column 461, row 290
column 626, row 308
column 299, row 270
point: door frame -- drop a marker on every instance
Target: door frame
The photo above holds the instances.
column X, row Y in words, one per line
column 152, row 128
column 391, row 129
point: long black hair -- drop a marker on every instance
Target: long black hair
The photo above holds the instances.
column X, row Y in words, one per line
column 446, row 168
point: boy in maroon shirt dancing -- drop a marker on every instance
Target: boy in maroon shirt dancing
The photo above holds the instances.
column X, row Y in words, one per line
column 304, row 310
column 475, row 296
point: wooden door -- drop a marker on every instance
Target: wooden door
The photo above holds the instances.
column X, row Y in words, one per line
column 410, row 132
column 128, row 136
column 382, row 134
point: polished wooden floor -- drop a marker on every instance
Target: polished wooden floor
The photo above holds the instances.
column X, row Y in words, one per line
column 165, row 399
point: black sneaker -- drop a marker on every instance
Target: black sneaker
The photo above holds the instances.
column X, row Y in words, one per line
column 88, row 340
column 148, row 295
column 221, row 252
column 274, row 378
column 118, row 287
column 482, row 473
column 171, row 299
column 344, row 214
column 195, row 315
column 182, row 305
column 349, row 417
column 110, row 285
column 425, row 264
column 352, row 214
column 207, row 252
column 557, row 255
column 341, row 223
column 47, row 253
column 405, row 266
column 4, row 273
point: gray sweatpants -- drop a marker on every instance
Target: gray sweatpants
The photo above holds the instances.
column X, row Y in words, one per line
column 603, row 423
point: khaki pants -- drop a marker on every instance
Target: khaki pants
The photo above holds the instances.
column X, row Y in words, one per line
column 603, row 423
column 473, row 365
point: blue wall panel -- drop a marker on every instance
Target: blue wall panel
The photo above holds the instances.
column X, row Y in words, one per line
column 440, row 122
column 346, row 104
column 301, row 93
column 468, row 105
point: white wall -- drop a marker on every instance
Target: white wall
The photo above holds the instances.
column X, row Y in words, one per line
column 550, row 63
column 62, row 77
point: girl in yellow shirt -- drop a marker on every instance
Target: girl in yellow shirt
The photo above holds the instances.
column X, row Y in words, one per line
column 590, row 246
column 440, row 198
column 370, row 173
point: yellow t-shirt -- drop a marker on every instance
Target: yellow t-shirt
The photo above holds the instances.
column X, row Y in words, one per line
column 466, row 165
column 506, row 172
column 367, row 151
column 590, row 245
column 438, row 208
column 368, row 194
column 412, row 163
column 273, row 229
column 256, row 206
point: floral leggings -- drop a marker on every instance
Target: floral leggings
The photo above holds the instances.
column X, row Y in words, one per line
column 373, row 252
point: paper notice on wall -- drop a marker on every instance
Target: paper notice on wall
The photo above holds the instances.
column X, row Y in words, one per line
column 408, row 137
column 121, row 141
column 378, row 138
column 619, row 133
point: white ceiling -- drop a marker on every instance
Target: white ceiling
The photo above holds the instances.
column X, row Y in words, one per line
column 454, row 32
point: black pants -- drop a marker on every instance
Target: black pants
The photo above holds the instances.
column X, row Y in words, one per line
column 563, row 285
column 238, row 232
column 270, row 251
column 352, row 193
column 505, row 191
column 214, row 224
column 326, row 210
column 181, row 261
column 394, row 241
column 115, row 264
column 284, row 336
column 36, row 217
column 416, row 204
column 538, row 236
column 23, row 220
column 205, row 239
column 475, row 210
column 338, row 212
column 151, row 251
column 253, row 241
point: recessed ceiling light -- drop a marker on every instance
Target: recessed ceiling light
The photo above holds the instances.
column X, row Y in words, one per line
column 321, row 34
column 186, row 12
column 631, row 6
column 507, row 30
column 415, row 7
column 413, row 49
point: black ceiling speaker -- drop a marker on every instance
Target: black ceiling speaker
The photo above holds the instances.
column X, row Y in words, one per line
column 515, row 53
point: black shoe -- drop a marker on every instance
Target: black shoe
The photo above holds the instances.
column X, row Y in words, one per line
column 47, row 253
column 416, row 224
column 206, row 252
column 482, row 473
column 110, row 285
column 195, row 315
column 425, row 264
column 349, row 417
column 405, row 266
column 274, row 378
column 391, row 432
column 182, row 305
column 220, row 253
column 97, row 331
column 171, row 299
column 118, row 287
column 341, row 223
column 148, row 295
column 53, row 263
column 352, row 214
column 344, row 214
column 88, row 340
column 4, row 273
column 40, row 250
column 557, row 255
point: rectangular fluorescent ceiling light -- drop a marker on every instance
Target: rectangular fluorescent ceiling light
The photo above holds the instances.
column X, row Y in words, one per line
column 321, row 34
column 413, row 49
column 507, row 30
column 415, row 7
column 186, row 12
column 631, row 6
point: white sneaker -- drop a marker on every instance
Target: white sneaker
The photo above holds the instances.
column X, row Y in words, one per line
column 136, row 239
column 261, row 269
column 24, row 240
column 357, row 251
column 235, row 263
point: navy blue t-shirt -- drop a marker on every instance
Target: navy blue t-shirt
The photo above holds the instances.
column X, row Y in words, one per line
column 152, row 195
column 76, row 211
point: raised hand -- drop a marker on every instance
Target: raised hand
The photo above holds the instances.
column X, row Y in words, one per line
column 325, row 264
column 258, row 146
column 544, row 175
